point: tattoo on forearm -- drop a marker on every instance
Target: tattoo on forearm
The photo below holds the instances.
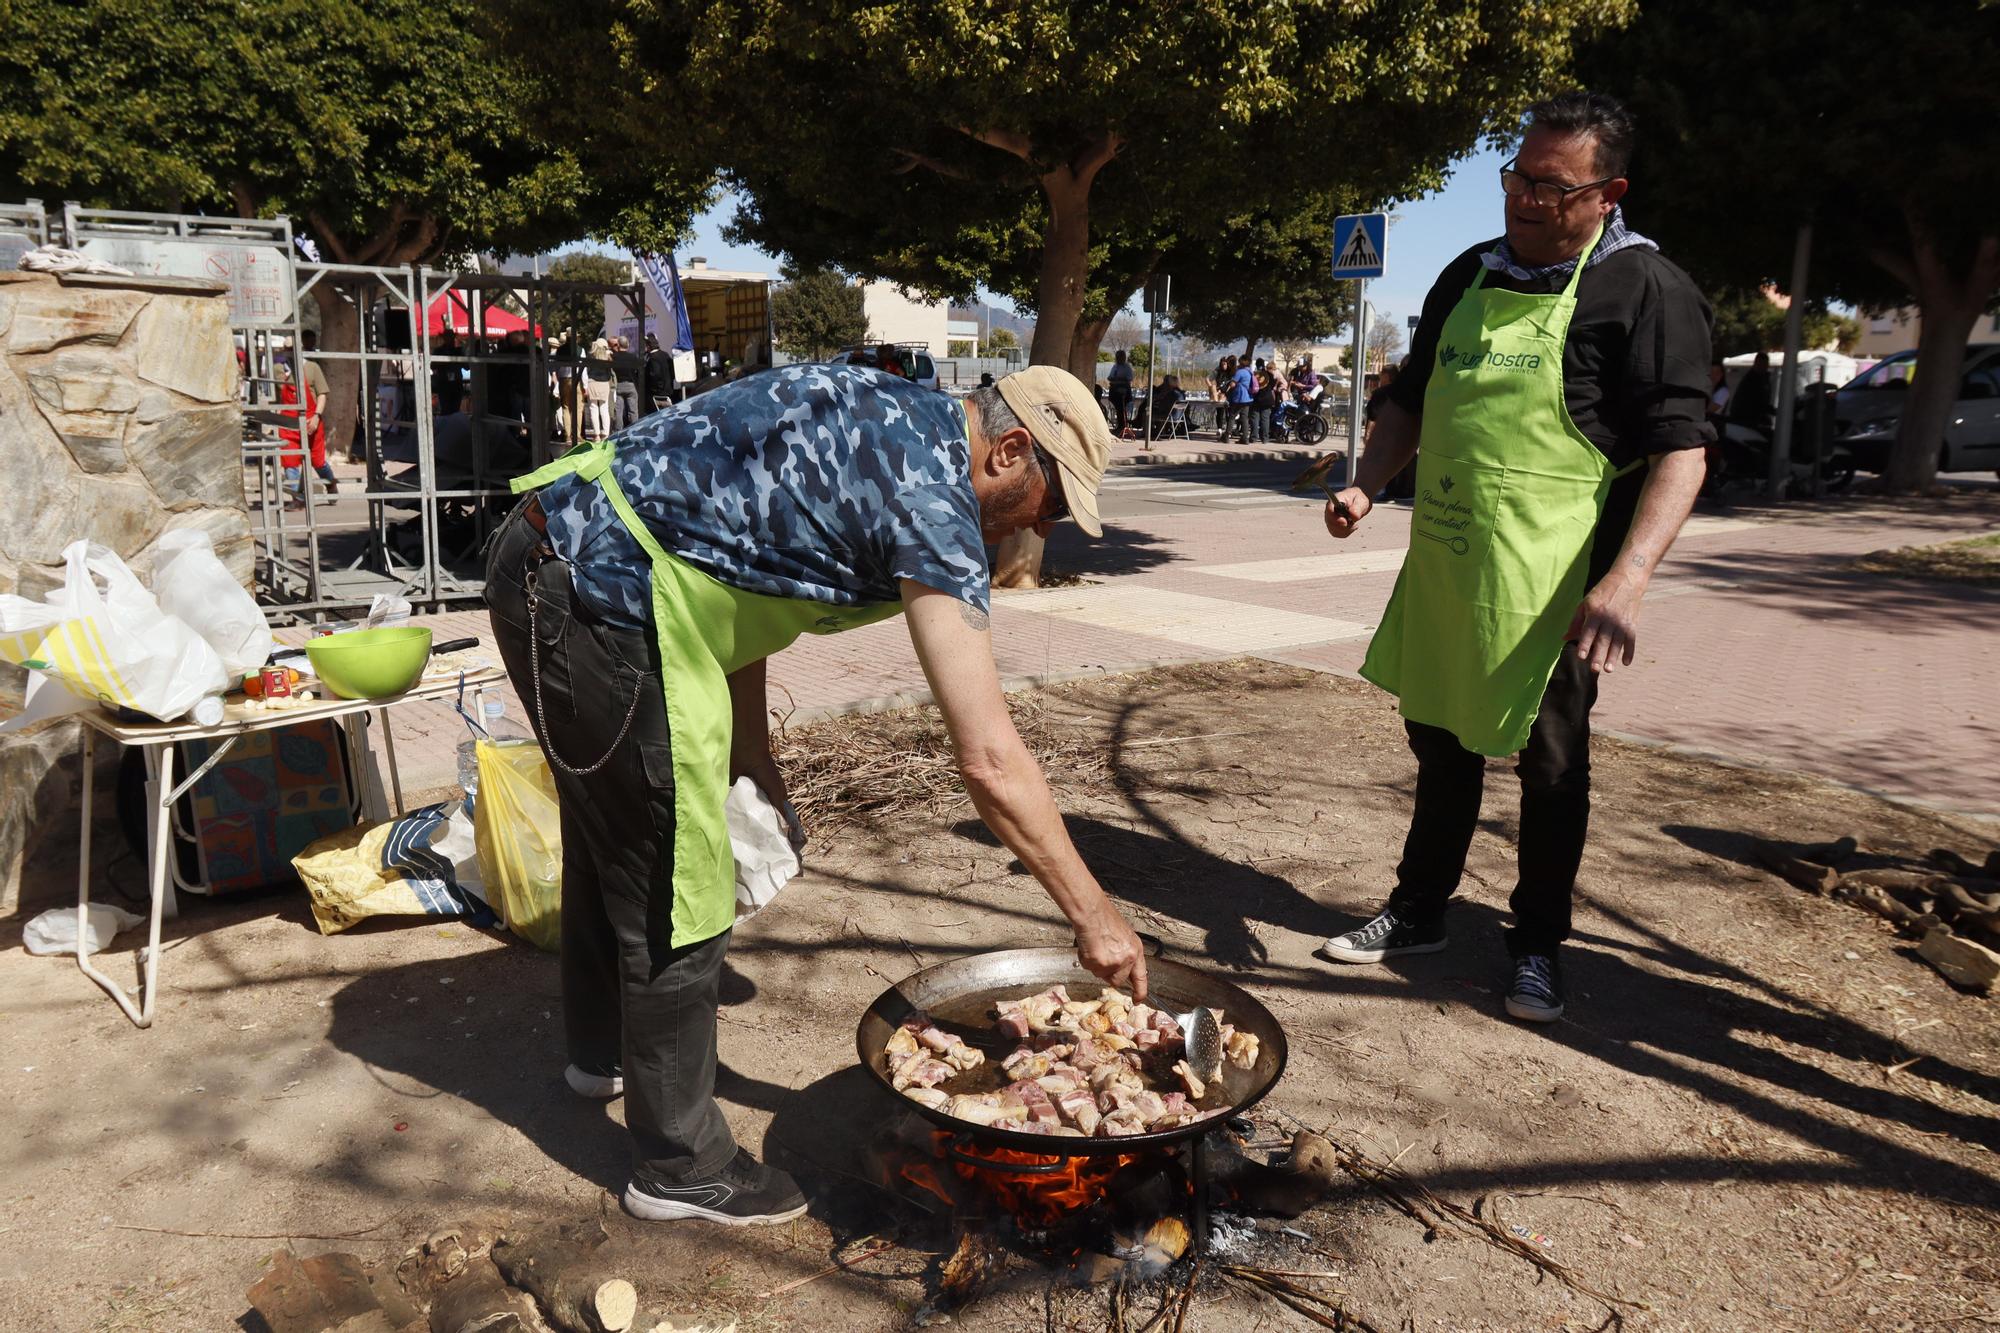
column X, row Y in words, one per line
column 974, row 616
column 1637, row 560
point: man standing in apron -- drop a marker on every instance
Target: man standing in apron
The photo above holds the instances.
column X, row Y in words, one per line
column 635, row 596
column 1554, row 401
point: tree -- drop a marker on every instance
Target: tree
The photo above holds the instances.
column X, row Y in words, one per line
column 1751, row 111
column 1269, row 276
column 1385, row 338
column 579, row 315
column 817, row 313
column 1750, row 321
column 1002, row 134
column 389, row 131
column 999, row 342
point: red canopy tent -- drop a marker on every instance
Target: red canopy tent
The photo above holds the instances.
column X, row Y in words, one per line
column 453, row 309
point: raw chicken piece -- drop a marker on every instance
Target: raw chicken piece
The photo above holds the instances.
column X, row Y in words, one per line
column 952, row 1048
column 1027, row 1063
column 1240, row 1049
column 1079, row 1109
column 902, row 1044
column 985, row 1108
column 920, row 1070
column 1120, row 1123
column 1195, row 1087
column 930, row 1097
column 1031, row 1095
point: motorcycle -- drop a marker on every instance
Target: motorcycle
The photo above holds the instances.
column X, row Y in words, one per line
column 1741, row 459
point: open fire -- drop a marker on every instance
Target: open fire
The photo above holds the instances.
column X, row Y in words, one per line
column 1043, row 1194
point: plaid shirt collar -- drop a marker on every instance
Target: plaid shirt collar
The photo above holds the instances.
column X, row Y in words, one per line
column 1617, row 236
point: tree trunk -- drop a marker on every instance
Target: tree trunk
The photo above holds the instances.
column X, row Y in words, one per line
column 1059, row 291
column 1084, row 344
column 1949, row 301
column 339, row 331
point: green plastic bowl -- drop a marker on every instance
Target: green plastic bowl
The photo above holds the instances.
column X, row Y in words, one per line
column 370, row 663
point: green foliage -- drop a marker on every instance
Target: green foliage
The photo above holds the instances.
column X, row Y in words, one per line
column 999, row 342
column 389, row 131
column 1267, row 276
column 928, row 141
column 580, row 315
column 1752, row 126
column 1752, row 322
column 814, row 314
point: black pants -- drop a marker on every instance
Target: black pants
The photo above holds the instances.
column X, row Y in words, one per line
column 629, row 997
column 1121, row 406
column 1554, row 770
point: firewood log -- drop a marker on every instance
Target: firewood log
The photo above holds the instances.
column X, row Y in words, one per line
column 1877, row 900
column 1778, row 859
column 479, row 1300
column 561, row 1266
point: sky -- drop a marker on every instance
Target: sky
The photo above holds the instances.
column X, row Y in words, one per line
column 1423, row 236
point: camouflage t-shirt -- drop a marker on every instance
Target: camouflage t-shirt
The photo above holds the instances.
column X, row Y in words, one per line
column 817, row 482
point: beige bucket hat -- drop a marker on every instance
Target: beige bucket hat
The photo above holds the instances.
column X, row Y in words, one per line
column 1062, row 414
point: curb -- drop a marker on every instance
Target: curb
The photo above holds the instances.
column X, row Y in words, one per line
column 1222, row 456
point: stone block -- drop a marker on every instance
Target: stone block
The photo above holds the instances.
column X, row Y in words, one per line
column 47, row 316
column 192, row 453
column 86, row 394
column 119, row 512
column 38, row 499
column 1962, row 961
column 183, row 343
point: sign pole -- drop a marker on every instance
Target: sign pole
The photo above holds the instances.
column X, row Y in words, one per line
column 1356, row 399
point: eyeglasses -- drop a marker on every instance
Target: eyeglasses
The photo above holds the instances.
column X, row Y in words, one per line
column 1054, row 486
column 1548, row 194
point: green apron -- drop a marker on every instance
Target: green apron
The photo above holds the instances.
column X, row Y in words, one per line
column 706, row 630
column 1509, row 493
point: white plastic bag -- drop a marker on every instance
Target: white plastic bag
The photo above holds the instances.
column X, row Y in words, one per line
column 111, row 642
column 195, row 587
column 54, row 931
column 766, row 842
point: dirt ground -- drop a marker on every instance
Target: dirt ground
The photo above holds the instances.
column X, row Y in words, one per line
column 1763, row 1112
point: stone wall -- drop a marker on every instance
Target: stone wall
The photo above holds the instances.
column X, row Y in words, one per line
column 119, row 421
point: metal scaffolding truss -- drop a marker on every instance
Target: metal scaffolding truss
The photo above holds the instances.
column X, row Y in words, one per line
column 436, row 481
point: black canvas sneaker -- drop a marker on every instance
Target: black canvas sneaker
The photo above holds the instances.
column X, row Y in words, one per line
column 1537, row 992
column 598, row 1082
column 743, row 1193
column 1387, row 936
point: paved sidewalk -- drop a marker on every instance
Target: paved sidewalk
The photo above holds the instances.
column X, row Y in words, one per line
column 1755, row 643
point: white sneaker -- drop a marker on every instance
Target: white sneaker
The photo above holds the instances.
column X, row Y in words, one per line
column 597, row 1087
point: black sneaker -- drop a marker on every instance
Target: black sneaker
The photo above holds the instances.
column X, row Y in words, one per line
column 1387, row 936
column 743, row 1193
column 1537, row 992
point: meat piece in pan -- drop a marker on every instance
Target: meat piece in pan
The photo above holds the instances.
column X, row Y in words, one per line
column 930, row 1097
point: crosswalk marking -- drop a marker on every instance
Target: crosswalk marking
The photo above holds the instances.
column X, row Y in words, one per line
column 1206, row 622
column 1298, row 569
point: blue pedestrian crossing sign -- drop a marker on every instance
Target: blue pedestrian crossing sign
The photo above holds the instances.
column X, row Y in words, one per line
column 1359, row 245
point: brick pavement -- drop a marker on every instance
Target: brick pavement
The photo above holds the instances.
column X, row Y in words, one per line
column 1755, row 643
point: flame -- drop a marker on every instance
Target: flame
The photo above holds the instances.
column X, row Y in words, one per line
column 1041, row 1199
column 922, row 1175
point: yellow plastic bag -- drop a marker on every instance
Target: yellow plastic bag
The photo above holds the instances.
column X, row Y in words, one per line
column 517, row 824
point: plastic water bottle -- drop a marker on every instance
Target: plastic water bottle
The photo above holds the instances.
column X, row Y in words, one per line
column 493, row 717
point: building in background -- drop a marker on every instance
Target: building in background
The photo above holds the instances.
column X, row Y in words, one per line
column 1891, row 331
column 963, row 337
column 896, row 316
column 729, row 313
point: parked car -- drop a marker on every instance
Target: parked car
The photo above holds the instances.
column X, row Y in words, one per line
column 1869, row 407
column 914, row 359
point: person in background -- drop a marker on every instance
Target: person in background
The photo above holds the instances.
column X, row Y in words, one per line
column 1166, row 396
column 1750, row 403
column 659, row 374
column 564, row 369
column 1263, row 401
column 446, row 373
column 1242, row 388
column 629, row 368
column 316, row 401
column 888, row 358
column 507, row 382
column 1119, row 380
column 598, row 378
column 1554, row 403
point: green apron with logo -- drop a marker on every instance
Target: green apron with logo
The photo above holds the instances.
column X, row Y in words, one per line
column 1509, row 493
column 706, row 630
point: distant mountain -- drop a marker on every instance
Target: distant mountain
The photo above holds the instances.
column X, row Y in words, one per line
column 997, row 317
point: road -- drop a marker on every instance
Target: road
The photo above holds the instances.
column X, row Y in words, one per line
column 1162, row 492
